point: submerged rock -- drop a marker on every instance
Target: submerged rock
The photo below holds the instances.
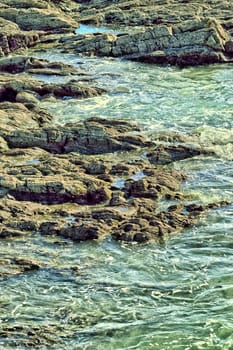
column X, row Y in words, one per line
column 77, row 197
column 168, row 154
column 13, row 266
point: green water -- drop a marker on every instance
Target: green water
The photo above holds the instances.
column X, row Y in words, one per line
column 173, row 294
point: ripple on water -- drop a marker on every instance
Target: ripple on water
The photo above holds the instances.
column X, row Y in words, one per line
column 176, row 294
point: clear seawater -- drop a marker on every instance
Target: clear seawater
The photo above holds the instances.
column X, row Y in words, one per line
column 88, row 29
column 175, row 294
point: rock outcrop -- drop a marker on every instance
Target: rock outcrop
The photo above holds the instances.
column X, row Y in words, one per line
column 152, row 12
column 162, row 33
column 100, row 177
column 48, row 186
column 193, row 42
column 13, row 39
column 41, row 16
column 13, row 89
column 24, row 23
column 21, row 63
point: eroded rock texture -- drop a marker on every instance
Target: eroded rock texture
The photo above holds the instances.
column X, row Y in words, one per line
column 162, row 32
column 192, row 42
column 61, row 180
column 99, row 177
column 23, row 23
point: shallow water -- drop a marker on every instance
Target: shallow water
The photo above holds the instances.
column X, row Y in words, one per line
column 173, row 294
column 88, row 29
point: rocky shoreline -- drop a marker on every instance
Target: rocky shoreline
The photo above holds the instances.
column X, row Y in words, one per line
column 99, row 178
column 163, row 32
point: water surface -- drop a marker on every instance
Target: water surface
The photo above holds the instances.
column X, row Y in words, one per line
column 174, row 294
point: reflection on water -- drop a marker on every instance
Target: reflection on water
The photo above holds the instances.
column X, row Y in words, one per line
column 175, row 294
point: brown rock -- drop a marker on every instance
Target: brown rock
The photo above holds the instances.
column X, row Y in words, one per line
column 196, row 41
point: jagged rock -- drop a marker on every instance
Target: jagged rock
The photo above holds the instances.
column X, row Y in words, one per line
column 197, row 41
column 151, row 12
column 55, row 189
column 42, row 19
column 76, row 196
column 13, row 39
column 82, row 232
column 10, row 87
column 17, row 115
column 168, row 154
column 20, row 63
column 24, row 23
column 90, row 137
column 25, row 4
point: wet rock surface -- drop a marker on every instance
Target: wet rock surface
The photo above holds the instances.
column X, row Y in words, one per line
column 197, row 41
column 29, row 91
column 13, row 266
column 20, row 63
column 152, row 12
column 101, row 178
column 163, row 32
column 60, row 181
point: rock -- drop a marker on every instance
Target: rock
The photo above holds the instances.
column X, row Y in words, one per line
column 16, row 115
column 118, row 199
column 149, row 13
column 42, row 19
column 10, row 87
column 25, row 3
column 197, row 41
column 24, row 23
column 12, row 266
column 54, row 189
column 3, row 145
column 78, row 233
column 30, row 336
column 168, row 154
column 95, row 168
column 27, row 97
column 13, row 39
column 15, row 64
column 229, row 47
column 21, row 63
column 90, row 137
column 47, row 188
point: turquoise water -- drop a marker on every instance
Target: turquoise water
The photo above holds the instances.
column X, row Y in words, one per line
column 174, row 294
column 88, row 29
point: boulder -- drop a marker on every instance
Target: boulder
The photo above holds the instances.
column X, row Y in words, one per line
column 22, row 63
column 42, row 19
column 13, row 39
